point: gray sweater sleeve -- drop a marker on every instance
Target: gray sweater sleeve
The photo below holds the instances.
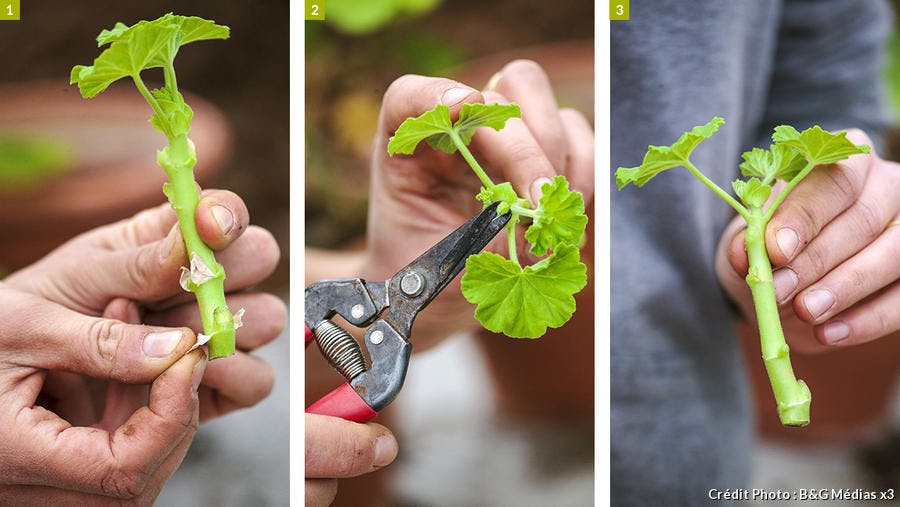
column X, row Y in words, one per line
column 828, row 67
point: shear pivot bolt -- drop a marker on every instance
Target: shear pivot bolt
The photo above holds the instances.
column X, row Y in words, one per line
column 411, row 284
column 376, row 337
column 356, row 311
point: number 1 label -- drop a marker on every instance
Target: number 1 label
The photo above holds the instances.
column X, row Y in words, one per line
column 10, row 11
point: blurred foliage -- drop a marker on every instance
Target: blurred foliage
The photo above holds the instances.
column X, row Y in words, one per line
column 427, row 55
column 359, row 18
column 28, row 160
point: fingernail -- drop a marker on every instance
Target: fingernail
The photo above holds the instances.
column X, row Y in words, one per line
column 385, row 450
column 454, row 96
column 160, row 344
column 537, row 189
column 835, row 332
column 492, row 82
column 785, row 281
column 197, row 376
column 818, row 302
column 788, row 241
column 224, row 218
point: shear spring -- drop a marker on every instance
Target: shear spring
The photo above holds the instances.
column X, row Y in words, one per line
column 340, row 349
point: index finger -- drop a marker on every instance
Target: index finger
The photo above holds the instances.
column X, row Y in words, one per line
column 826, row 193
column 139, row 258
column 411, row 95
column 525, row 83
column 221, row 216
column 118, row 464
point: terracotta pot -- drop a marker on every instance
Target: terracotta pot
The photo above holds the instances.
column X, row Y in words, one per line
column 114, row 173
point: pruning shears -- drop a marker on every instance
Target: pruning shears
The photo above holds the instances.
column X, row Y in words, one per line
column 388, row 308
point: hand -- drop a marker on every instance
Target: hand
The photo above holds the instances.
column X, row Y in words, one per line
column 338, row 449
column 834, row 244
column 423, row 197
column 61, row 367
column 47, row 460
column 140, row 258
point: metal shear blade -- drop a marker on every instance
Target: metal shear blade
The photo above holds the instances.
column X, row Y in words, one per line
column 387, row 338
column 416, row 285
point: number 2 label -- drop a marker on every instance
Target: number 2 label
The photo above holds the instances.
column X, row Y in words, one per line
column 315, row 10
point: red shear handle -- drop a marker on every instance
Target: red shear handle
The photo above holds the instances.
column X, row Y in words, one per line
column 343, row 402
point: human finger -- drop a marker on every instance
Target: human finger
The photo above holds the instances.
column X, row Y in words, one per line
column 138, row 258
column 336, row 448
column 42, row 496
column 122, row 400
column 154, row 224
column 525, row 83
column 247, row 262
column 874, row 318
column 859, row 277
column 320, row 492
column 580, row 159
column 239, row 381
column 411, row 95
column 845, row 236
column 515, row 154
column 150, row 271
column 221, row 217
column 55, row 338
column 171, row 462
column 265, row 317
column 825, row 194
column 118, row 464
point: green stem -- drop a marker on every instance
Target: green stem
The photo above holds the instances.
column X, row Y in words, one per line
column 718, row 190
column 791, row 395
column 152, row 101
column 511, row 239
column 464, row 151
column 787, row 189
column 178, row 160
column 169, row 73
column 521, row 210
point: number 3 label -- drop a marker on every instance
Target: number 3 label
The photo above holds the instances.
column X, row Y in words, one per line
column 619, row 10
column 10, row 10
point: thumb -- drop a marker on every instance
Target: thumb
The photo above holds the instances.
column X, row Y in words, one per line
column 336, row 448
column 55, row 338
